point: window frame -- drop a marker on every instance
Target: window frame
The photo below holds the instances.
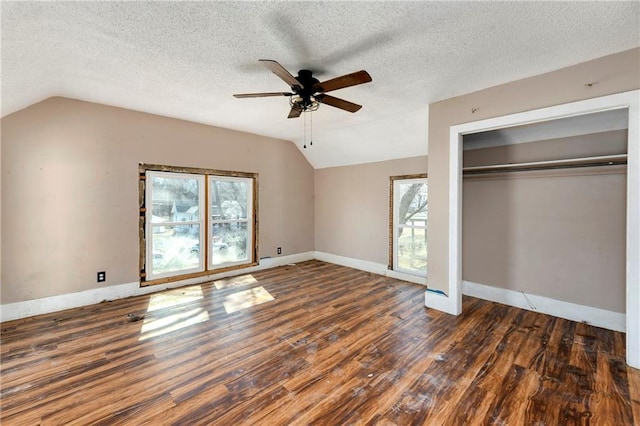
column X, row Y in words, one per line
column 393, row 226
column 146, row 240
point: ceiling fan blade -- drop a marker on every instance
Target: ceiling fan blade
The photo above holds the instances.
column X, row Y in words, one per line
column 281, row 72
column 348, row 80
column 338, row 103
column 261, row 95
column 295, row 112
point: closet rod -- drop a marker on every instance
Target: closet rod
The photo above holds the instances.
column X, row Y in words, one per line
column 602, row 160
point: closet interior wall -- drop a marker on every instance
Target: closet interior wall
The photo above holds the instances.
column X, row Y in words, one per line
column 558, row 233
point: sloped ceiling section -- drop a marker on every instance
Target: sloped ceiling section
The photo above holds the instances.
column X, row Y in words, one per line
column 186, row 59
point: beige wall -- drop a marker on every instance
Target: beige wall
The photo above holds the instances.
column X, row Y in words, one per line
column 611, row 74
column 70, row 191
column 352, row 207
column 549, row 232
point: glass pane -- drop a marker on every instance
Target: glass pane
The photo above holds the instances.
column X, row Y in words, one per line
column 229, row 242
column 175, row 248
column 412, row 208
column 412, row 249
column 174, row 199
column 229, row 199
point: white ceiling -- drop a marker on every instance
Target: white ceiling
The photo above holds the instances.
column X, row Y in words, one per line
column 186, row 59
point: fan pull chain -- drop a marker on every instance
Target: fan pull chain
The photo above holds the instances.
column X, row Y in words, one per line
column 311, row 137
column 305, row 132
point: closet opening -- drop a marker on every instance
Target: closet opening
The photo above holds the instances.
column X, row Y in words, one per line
column 544, row 215
column 595, row 170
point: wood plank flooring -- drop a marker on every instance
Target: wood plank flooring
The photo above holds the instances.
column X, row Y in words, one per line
column 335, row 346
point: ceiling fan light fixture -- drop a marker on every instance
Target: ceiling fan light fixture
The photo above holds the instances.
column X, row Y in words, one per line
column 304, row 105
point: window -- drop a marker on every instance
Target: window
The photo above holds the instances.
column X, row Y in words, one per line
column 230, row 232
column 174, row 223
column 408, row 224
column 195, row 222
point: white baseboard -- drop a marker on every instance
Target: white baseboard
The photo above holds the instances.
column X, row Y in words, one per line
column 407, row 277
column 363, row 265
column 45, row 305
column 594, row 316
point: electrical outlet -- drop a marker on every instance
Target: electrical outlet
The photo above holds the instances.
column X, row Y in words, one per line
column 279, row 250
column 102, row 276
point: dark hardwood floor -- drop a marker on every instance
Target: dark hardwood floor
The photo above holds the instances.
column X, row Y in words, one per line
column 335, row 346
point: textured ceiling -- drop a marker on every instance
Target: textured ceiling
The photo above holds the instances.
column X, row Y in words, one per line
column 186, row 59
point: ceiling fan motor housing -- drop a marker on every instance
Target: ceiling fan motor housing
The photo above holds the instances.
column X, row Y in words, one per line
column 307, row 81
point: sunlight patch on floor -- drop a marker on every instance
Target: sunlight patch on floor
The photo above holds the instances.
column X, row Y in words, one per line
column 153, row 327
column 242, row 280
column 171, row 298
column 245, row 299
column 179, row 313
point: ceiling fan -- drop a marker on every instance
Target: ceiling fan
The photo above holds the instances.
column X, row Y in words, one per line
column 307, row 92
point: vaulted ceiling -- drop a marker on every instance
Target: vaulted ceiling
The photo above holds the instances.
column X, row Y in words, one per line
column 186, row 59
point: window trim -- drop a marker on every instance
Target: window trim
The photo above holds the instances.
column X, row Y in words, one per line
column 392, row 213
column 143, row 168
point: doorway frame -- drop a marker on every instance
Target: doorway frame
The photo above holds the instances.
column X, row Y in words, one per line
column 626, row 100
